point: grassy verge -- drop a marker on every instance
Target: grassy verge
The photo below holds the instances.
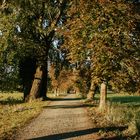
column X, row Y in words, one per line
column 121, row 118
column 15, row 114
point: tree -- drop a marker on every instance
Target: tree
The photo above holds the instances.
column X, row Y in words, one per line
column 63, row 81
column 105, row 32
column 9, row 75
column 35, row 27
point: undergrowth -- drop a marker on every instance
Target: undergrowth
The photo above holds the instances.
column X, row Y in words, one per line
column 118, row 113
column 122, row 111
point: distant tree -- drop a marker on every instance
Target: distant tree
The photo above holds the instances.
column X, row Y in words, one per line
column 64, row 81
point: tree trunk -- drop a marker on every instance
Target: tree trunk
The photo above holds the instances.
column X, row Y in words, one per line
column 103, row 95
column 27, row 69
column 44, row 82
column 36, row 85
column 26, row 89
column 91, row 92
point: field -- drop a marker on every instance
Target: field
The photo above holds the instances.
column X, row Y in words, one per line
column 121, row 118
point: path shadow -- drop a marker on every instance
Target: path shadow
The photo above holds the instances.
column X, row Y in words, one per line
column 67, row 106
column 65, row 99
column 77, row 133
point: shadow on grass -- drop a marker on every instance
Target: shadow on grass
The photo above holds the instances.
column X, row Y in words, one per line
column 116, row 138
column 11, row 101
column 78, row 133
column 125, row 99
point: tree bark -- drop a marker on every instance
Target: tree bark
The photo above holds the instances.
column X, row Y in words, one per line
column 27, row 70
column 26, row 89
column 103, row 95
column 36, row 85
column 44, row 84
column 91, row 92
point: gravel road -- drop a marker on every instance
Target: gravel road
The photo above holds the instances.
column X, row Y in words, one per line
column 63, row 118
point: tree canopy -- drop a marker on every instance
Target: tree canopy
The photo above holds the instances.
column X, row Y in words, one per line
column 105, row 34
column 99, row 39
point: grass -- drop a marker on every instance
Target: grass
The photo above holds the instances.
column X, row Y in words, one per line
column 14, row 113
column 129, row 100
column 123, row 110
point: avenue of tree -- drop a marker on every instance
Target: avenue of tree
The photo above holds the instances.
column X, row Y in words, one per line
column 63, row 45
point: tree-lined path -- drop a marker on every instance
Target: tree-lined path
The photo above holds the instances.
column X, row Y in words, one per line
column 64, row 118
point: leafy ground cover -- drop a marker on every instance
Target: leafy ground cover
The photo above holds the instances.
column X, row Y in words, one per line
column 121, row 119
column 14, row 113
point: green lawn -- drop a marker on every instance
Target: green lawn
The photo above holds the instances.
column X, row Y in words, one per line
column 123, row 99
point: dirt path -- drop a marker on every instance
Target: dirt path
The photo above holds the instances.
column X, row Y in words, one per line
column 64, row 118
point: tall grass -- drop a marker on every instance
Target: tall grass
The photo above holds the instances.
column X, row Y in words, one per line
column 125, row 110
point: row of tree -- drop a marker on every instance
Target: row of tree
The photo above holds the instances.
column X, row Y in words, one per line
column 105, row 35
column 81, row 43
